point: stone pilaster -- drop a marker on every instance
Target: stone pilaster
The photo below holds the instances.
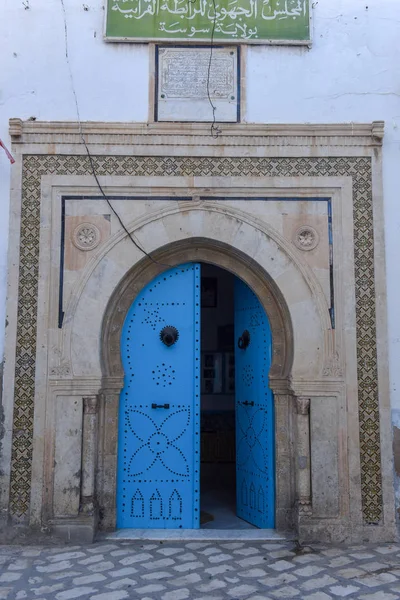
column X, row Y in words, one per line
column 303, row 456
column 89, row 453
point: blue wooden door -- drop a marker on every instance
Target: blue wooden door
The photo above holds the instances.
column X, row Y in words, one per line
column 255, row 477
column 158, row 443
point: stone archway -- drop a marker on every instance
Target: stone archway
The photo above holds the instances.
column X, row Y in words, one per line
column 288, row 291
column 199, row 250
column 235, row 261
column 201, row 189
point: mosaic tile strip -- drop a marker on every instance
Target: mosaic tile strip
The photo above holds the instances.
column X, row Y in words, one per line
column 359, row 168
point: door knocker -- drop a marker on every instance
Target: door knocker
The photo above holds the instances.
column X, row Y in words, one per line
column 244, row 340
column 169, row 335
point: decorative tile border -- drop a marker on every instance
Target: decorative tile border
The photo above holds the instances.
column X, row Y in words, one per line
column 359, row 168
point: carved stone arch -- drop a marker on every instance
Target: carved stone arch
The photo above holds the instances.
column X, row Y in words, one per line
column 225, row 256
column 207, row 251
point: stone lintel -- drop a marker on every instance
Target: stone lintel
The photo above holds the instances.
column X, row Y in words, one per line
column 193, row 134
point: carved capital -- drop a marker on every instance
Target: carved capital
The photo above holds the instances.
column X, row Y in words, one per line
column 90, row 405
column 302, row 405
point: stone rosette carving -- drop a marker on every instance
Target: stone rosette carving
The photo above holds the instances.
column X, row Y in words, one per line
column 86, row 236
column 306, row 238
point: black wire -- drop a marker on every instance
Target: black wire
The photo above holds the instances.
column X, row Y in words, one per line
column 215, row 130
column 156, row 262
column 88, row 152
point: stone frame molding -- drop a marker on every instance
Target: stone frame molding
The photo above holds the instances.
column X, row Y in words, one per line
column 345, row 164
column 220, row 254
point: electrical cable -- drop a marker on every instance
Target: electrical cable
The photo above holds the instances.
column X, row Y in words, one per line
column 92, row 166
column 215, row 130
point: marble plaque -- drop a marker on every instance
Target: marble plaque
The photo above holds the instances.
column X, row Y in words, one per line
column 186, row 77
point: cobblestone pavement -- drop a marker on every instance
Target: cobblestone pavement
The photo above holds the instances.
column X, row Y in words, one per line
column 199, row 571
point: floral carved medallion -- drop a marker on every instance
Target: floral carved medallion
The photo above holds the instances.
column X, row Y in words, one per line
column 86, row 236
column 306, row 238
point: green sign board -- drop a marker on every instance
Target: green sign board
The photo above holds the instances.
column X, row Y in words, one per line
column 239, row 21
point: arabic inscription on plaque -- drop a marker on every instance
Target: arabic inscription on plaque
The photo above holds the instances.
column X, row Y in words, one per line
column 186, row 77
column 246, row 21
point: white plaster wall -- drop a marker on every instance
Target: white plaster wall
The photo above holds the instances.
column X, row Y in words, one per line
column 352, row 73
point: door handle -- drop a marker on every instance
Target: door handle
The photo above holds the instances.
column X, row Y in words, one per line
column 247, row 403
column 169, row 335
column 244, row 340
column 160, row 405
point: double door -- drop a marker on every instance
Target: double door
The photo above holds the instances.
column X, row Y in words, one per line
column 158, row 474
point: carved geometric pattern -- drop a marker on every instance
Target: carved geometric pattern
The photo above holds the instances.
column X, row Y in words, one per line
column 358, row 168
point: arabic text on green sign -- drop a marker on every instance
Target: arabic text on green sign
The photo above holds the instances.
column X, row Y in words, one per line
column 246, row 21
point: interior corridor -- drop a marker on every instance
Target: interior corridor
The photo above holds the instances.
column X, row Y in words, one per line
column 218, row 453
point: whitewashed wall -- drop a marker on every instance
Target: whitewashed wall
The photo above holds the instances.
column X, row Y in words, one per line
column 352, row 73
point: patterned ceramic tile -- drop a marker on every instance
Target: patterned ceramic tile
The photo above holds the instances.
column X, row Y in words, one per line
column 359, row 168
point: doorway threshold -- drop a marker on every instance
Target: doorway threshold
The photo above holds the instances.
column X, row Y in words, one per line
column 206, row 535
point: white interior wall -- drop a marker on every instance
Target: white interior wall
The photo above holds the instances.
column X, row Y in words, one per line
column 211, row 319
column 351, row 73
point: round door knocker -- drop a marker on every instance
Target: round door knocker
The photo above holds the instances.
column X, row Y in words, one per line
column 244, row 340
column 169, row 335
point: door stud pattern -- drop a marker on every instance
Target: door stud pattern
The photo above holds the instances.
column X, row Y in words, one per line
column 251, row 500
column 158, row 443
column 137, row 505
column 248, row 375
column 175, row 506
column 156, row 506
column 254, row 413
column 251, row 454
column 164, row 375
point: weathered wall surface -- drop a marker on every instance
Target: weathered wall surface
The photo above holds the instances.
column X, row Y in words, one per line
column 349, row 74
